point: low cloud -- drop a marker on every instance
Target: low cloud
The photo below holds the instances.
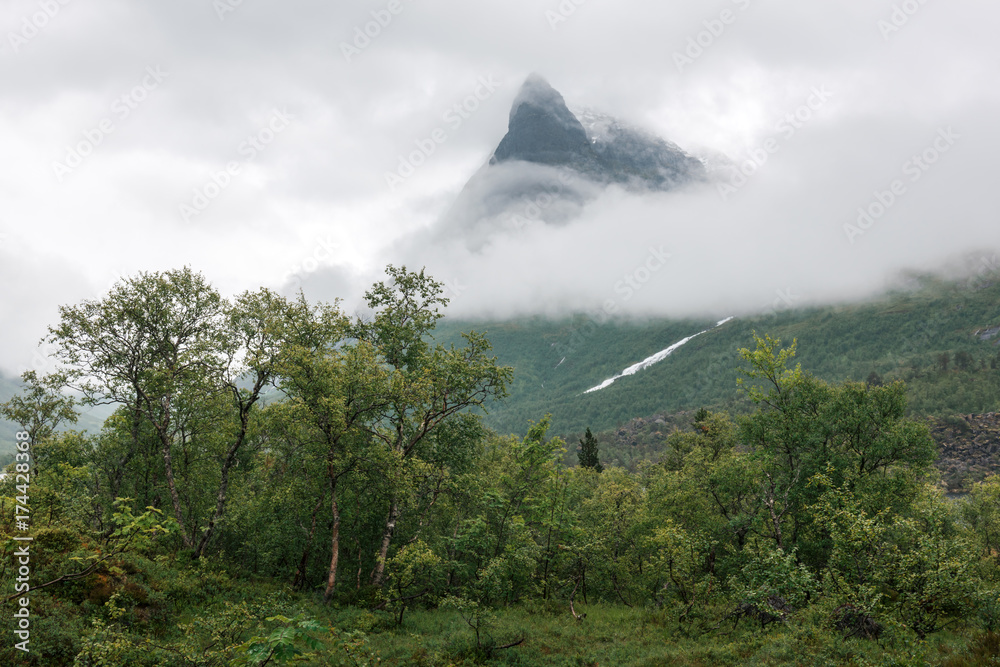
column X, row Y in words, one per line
column 314, row 209
column 824, row 208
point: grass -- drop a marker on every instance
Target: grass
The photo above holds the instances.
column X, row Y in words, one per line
column 620, row 636
column 610, row 635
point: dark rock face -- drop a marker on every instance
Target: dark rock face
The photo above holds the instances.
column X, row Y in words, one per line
column 627, row 154
column 551, row 163
column 543, row 130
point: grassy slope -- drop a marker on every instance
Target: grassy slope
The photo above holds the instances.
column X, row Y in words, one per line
column 899, row 336
column 618, row 635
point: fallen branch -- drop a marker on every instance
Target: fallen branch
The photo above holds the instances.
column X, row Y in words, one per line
column 511, row 645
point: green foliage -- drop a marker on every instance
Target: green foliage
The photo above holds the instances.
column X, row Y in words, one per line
column 981, row 512
column 284, row 644
column 41, row 407
column 677, row 570
column 187, row 369
column 414, row 572
column 806, row 426
column 108, row 645
column 919, row 568
column 142, row 529
column 497, row 548
column 774, row 579
column 363, row 512
column 935, row 580
column 482, row 621
column 589, row 455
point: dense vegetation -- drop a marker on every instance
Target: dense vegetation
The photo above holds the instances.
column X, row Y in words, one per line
column 925, row 335
column 365, row 513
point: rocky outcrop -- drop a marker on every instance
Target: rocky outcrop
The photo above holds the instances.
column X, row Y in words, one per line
column 630, row 155
column 987, row 334
column 968, row 445
column 968, row 448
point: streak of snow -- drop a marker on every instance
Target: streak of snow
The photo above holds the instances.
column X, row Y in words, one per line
column 649, row 361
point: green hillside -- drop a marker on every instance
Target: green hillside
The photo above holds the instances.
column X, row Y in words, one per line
column 903, row 335
column 91, row 419
column 360, row 517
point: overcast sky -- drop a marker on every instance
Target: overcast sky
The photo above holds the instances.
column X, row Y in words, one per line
column 252, row 140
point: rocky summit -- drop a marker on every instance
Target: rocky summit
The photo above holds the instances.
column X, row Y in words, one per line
column 551, row 162
column 543, row 130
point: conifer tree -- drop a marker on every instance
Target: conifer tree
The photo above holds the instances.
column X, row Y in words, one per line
column 588, row 454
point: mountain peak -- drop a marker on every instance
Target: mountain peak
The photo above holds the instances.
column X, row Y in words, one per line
column 550, row 154
column 542, row 129
column 538, row 92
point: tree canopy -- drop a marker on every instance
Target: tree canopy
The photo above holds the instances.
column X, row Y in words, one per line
column 273, row 462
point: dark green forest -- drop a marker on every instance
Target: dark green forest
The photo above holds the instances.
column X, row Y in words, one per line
column 283, row 483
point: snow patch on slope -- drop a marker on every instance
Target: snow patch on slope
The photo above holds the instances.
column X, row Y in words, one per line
column 649, row 361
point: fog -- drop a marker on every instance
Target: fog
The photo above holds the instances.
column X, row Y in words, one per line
column 813, row 215
column 273, row 144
